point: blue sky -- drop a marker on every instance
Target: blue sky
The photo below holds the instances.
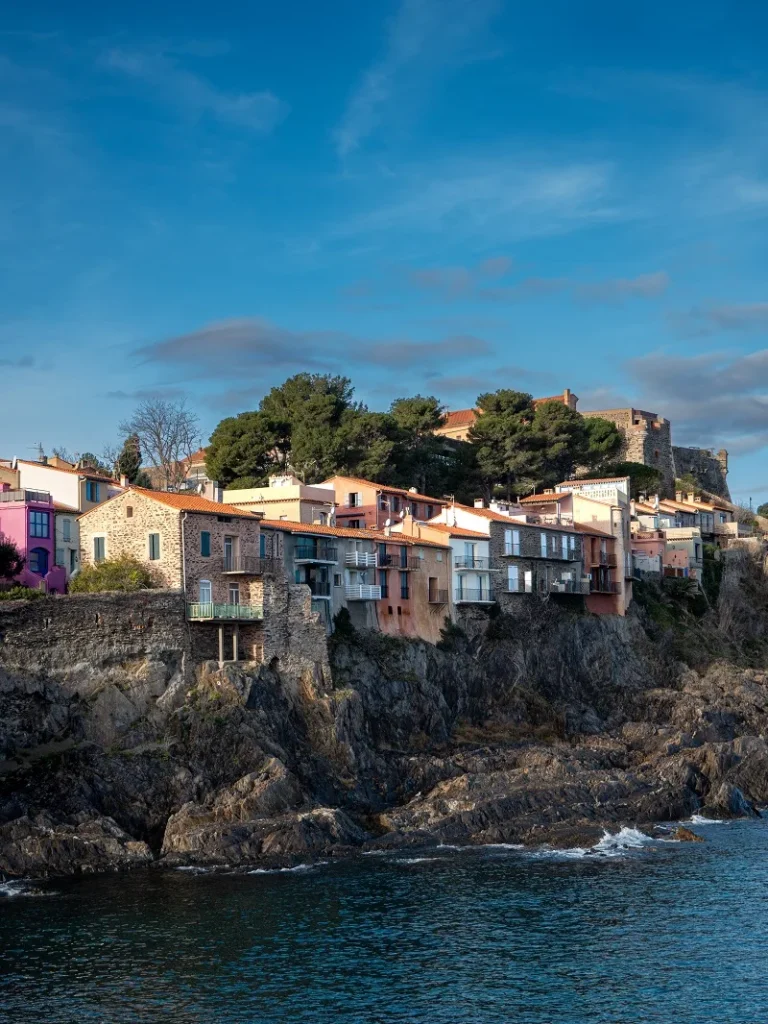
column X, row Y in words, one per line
column 434, row 196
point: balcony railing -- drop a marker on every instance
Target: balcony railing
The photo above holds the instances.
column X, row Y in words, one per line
column 205, row 611
column 42, row 497
column 319, row 588
column 319, row 553
column 363, row 592
column 249, row 565
column 568, row 586
column 534, row 550
column 360, row 559
column 604, row 587
column 603, row 558
column 472, row 563
column 474, row 597
column 517, row 587
column 438, row 597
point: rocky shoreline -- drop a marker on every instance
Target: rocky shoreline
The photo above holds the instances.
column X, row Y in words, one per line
column 548, row 728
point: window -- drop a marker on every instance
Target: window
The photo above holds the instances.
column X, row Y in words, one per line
column 59, row 556
column 439, row 556
column 234, row 593
column 38, row 561
column 99, row 549
column 262, row 545
column 571, row 543
column 511, row 542
column 415, row 510
column 383, row 583
column 383, row 556
column 205, row 543
column 430, row 511
column 205, row 592
column 395, row 503
column 403, row 556
column 129, row 511
column 353, row 524
column 72, row 560
column 513, row 578
column 154, row 547
column 404, row 586
column 38, row 524
column 564, row 544
column 66, row 530
column 91, row 490
column 337, row 579
column 543, row 540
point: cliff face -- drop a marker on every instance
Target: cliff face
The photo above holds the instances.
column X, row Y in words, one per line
column 529, row 729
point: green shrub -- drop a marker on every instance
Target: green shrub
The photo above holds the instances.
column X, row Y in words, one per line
column 21, row 594
column 452, row 637
column 124, row 573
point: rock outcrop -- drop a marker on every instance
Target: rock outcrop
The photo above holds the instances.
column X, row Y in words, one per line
column 545, row 727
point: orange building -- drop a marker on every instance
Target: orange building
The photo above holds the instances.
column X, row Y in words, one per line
column 363, row 504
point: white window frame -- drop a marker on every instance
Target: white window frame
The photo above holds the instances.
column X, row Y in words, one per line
column 513, row 577
column 209, row 585
column 543, row 543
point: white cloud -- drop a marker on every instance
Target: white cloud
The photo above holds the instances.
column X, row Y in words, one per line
column 194, row 95
column 423, row 39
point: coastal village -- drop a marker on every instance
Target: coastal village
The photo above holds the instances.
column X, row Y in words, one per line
column 377, row 557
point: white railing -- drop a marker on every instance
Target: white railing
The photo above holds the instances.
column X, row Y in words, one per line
column 363, row 592
column 360, row 559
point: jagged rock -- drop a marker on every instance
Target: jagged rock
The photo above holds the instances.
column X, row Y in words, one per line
column 42, row 846
column 730, row 802
column 684, row 835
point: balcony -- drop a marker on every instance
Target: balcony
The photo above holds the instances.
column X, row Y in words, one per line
column 208, row 612
column 604, row 587
column 517, row 587
column 568, row 586
column 360, row 560
column 248, row 565
column 318, row 588
column 474, row 597
column 41, row 497
column 534, row 550
column 603, row 558
column 470, row 564
column 363, row 592
column 320, row 553
column 398, row 562
column 438, row 597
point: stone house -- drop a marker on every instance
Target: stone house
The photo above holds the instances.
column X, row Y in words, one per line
column 214, row 553
column 387, row 582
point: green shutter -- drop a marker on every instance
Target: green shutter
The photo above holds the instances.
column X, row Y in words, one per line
column 205, row 543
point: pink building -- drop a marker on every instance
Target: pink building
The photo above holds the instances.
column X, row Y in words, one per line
column 27, row 519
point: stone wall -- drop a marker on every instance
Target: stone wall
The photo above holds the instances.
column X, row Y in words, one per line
column 709, row 468
column 647, row 440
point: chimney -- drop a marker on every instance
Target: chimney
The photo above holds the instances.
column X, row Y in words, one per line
column 479, row 503
column 123, row 480
column 692, row 499
column 678, row 495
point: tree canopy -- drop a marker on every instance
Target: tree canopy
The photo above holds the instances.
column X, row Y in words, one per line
column 11, row 560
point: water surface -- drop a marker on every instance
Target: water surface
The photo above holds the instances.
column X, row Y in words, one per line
column 658, row 932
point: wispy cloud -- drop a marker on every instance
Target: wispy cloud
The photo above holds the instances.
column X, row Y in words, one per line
column 23, row 362
column 645, row 286
column 231, row 348
column 147, row 394
column 194, row 96
column 423, row 40
column 704, row 321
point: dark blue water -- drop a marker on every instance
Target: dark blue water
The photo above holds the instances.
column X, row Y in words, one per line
column 668, row 932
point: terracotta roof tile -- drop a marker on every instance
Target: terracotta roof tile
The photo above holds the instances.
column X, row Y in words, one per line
column 193, row 503
column 460, row 418
column 384, row 487
column 593, row 480
column 318, row 529
column 543, row 499
column 588, row 528
column 457, row 531
column 86, row 473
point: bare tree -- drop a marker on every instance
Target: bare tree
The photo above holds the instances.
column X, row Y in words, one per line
column 168, row 433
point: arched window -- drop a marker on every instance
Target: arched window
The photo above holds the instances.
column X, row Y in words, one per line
column 38, row 561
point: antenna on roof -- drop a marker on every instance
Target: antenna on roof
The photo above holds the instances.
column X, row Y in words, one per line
column 39, row 450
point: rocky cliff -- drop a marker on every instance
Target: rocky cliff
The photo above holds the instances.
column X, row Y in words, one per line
column 543, row 727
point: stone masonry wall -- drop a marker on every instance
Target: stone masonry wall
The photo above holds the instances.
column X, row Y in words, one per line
column 540, row 567
column 710, row 469
column 647, row 440
column 127, row 521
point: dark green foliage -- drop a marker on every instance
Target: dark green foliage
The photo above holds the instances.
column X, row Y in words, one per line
column 452, row 637
column 124, row 573
column 94, row 462
column 342, row 625
column 712, row 573
column 762, row 510
column 604, row 442
column 11, row 561
column 562, row 442
column 129, row 460
column 688, row 484
column 241, row 449
column 642, row 479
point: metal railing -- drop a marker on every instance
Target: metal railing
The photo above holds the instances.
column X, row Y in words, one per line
column 473, row 597
column 43, row 497
column 210, row 610
column 316, row 553
column 252, row 565
column 472, row 563
column 568, row 586
column 319, row 588
column 603, row 558
column 360, row 559
column 438, row 597
column 530, row 547
column 363, row 592
column 601, row 587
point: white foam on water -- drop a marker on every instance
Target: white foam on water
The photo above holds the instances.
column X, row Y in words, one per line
column 699, row 819
column 378, row 853
column 193, row 869
column 416, row 860
column 613, row 844
column 21, row 888
column 284, row 871
column 499, row 846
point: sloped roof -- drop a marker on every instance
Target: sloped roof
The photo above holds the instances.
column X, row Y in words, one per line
column 384, row 487
column 88, row 474
column 588, row 528
column 457, row 531
column 318, row 529
column 460, row 418
column 182, row 503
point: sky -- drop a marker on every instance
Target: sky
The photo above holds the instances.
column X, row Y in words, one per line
column 430, row 196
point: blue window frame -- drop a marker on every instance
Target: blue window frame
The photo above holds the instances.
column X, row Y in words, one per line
column 91, row 490
column 262, row 546
column 205, row 543
column 39, row 524
column 38, row 561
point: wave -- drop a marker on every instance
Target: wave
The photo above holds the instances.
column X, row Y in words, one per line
column 283, row 871
column 613, row 844
column 699, row 819
column 193, row 869
column 416, row 860
column 21, row 888
column 498, row 846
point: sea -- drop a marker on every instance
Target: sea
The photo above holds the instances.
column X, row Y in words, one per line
column 636, row 930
